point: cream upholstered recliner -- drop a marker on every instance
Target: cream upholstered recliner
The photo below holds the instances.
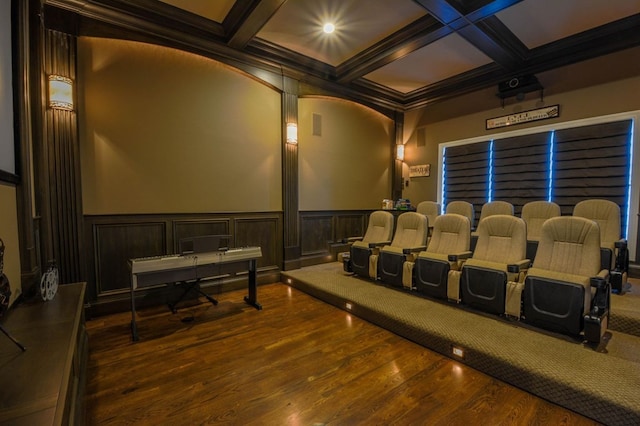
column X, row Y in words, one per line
column 409, row 239
column 431, row 210
column 498, row 265
column 462, row 208
column 614, row 251
column 560, row 287
column 379, row 232
column 491, row 208
column 534, row 214
column 434, row 269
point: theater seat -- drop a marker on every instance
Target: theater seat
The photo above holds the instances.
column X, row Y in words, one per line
column 435, row 267
column 462, row 208
column 614, row 251
column 534, row 214
column 409, row 239
column 499, row 259
column 431, row 210
column 379, row 232
column 566, row 275
column 491, row 208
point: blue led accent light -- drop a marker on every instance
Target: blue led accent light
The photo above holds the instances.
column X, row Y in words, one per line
column 551, row 140
column 490, row 193
column 444, row 180
column 625, row 226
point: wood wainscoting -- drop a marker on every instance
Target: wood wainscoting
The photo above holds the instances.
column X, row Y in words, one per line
column 114, row 239
column 322, row 232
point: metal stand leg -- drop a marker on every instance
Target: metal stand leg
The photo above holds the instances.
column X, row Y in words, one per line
column 194, row 285
column 18, row 344
column 252, row 298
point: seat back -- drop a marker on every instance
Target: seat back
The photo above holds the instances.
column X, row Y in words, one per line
column 380, row 227
column 535, row 213
column 430, row 209
column 493, row 208
column 462, row 208
column 606, row 214
column 569, row 245
column 451, row 234
column 411, row 230
column 501, row 239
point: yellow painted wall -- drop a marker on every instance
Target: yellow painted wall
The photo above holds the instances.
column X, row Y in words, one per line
column 164, row 131
column 9, row 234
column 611, row 98
column 348, row 165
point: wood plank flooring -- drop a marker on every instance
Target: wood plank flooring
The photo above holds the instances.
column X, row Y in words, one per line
column 298, row 361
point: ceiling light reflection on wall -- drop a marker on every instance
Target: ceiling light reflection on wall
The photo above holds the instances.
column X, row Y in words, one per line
column 60, row 92
column 329, row 28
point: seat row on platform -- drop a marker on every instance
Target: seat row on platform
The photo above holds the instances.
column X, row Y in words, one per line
column 565, row 289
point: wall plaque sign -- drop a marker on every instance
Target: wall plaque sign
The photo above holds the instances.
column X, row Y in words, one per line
column 524, row 117
column 421, row 170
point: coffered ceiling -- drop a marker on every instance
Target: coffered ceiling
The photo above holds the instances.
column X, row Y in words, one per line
column 399, row 53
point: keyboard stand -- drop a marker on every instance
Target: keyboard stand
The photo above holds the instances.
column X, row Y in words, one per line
column 193, row 285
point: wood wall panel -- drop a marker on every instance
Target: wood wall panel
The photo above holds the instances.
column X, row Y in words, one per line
column 321, row 230
column 316, row 234
column 350, row 225
column 196, row 227
column 114, row 239
column 261, row 232
column 115, row 244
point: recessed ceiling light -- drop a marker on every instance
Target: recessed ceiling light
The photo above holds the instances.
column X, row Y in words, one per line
column 328, row 28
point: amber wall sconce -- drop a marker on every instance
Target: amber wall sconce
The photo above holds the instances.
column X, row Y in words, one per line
column 60, row 93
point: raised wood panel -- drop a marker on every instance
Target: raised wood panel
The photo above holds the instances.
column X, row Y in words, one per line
column 115, row 239
column 115, row 244
column 316, row 234
column 259, row 232
column 350, row 225
column 198, row 227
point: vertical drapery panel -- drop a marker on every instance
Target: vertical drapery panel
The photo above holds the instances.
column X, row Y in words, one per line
column 466, row 169
column 521, row 169
column 592, row 162
column 61, row 204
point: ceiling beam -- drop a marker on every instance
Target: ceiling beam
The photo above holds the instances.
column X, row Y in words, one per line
column 252, row 24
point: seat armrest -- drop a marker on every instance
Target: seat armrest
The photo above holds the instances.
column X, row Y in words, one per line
column 598, row 282
column 621, row 244
column 459, row 256
column 379, row 244
column 515, row 268
column 351, row 240
column 413, row 249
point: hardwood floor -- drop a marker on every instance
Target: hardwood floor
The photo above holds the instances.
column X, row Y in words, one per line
column 298, row 361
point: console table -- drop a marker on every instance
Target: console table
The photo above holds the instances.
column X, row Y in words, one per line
column 45, row 384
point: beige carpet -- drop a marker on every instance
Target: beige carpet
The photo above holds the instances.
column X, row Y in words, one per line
column 602, row 385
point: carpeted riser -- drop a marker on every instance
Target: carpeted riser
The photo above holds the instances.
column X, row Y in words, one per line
column 585, row 403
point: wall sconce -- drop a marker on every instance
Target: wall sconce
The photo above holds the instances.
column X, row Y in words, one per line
column 60, row 93
column 400, row 152
column 292, row 133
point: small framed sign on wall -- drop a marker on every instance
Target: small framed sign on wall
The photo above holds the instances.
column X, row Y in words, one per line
column 524, row 117
column 421, row 170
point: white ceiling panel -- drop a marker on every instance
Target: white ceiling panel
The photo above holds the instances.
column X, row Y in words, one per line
column 538, row 22
column 437, row 61
column 297, row 25
column 216, row 10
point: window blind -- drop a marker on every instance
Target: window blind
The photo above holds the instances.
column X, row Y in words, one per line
column 592, row 162
column 466, row 169
column 521, row 169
